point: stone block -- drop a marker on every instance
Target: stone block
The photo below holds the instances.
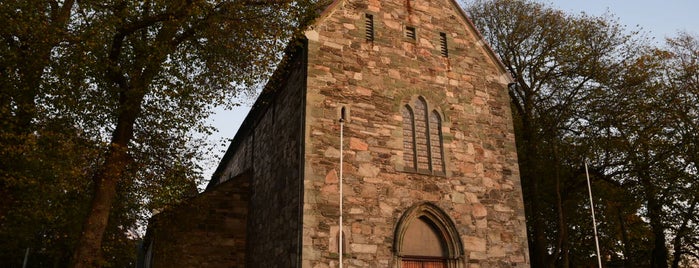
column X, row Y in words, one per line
column 474, row 244
column 363, row 248
column 357, row 144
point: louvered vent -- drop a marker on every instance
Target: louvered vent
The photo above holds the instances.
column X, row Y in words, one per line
column 410, row 32
column 443, row 44
column 369, row 25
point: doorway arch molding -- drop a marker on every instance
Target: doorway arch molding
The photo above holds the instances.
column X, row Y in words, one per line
column 442, row 224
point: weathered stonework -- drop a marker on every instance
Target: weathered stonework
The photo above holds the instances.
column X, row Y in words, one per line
column 290, row 144
column 268, row 149
column 480, row 190
column 210, row 224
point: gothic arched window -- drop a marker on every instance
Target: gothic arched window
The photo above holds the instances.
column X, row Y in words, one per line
column 422, row 139
column 437, row 158
column 408, row 138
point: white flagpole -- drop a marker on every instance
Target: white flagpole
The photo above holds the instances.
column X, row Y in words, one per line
column 594, row 222
column 342, row 126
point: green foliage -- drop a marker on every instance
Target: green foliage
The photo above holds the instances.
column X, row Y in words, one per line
column 100, row 104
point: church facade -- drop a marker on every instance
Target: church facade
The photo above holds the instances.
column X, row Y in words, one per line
column 427, row 160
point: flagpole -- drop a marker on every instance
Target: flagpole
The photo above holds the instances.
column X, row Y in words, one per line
column 594, row 222
column 342, row 126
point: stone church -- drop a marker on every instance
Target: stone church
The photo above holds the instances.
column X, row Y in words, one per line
column 427, row 160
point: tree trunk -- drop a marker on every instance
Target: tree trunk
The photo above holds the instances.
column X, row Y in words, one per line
column 562, row 245
column 624, row 237
column 88, row 250
column 659, row 255
column 539, row 243
column 131, row 94
column 677, row 254
column 681, row 233
column 88, row 253
column 530, row 183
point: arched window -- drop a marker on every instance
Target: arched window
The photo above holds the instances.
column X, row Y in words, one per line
column 421, row 136
column 422, row 139
column 334, row 240
column 408, row 138
column 344, row 243
column 427, row 238
column 436, row 150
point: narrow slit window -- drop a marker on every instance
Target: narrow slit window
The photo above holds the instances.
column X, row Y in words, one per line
column 369, row 24
column 408, row 138
column 443, row 44
column 436, row 148
column 410, row 33
column 344, row 243
column 422, row 136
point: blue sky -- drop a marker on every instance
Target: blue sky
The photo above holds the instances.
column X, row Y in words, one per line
column 657, row 18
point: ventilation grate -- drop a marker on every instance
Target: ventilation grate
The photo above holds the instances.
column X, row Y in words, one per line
column 410, row 33
column 369, row 25
column 443, row 43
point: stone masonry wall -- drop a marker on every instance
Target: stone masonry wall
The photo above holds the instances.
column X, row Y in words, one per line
column 206, row 231
column 480, row 189
column 270, row 148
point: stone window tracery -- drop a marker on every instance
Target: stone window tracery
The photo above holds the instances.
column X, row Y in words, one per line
column 423, row 151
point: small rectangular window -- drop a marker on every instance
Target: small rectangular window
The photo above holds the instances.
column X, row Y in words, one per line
column 369, row 21
column 443, row 44
column 410, row 33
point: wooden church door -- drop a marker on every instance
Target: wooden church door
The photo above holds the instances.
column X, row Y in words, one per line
column 423, row 263
column 423, row 246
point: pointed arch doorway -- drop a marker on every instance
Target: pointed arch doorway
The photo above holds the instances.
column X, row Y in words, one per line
column 426, row 237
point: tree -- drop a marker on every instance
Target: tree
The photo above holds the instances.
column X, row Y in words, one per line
column 133, row 80
column 630, row 125
column 647, row 125
column 587, row 92
column 42, row 160
column 26, row 51
column 679, row 80
column 559, row 62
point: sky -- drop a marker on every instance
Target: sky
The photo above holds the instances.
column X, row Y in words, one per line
column 657, row 18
